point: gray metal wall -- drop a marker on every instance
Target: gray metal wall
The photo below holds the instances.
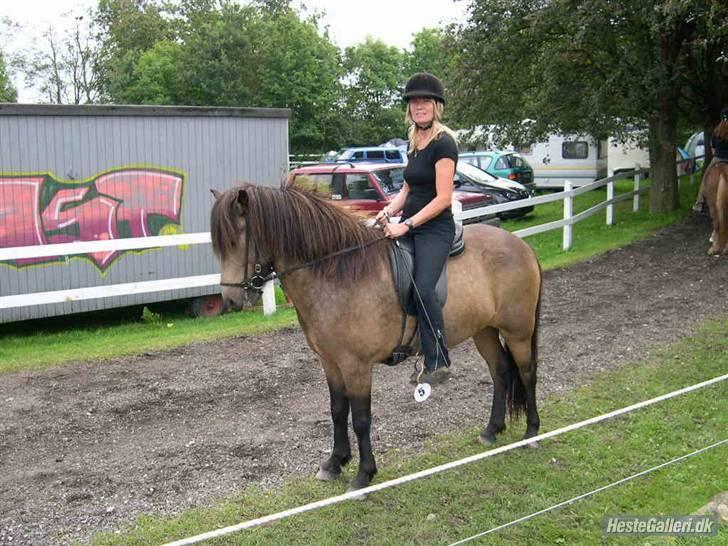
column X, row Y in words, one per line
column 214, row 147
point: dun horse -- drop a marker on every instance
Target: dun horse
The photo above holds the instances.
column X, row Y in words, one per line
column 715, row 191
column 350, row 313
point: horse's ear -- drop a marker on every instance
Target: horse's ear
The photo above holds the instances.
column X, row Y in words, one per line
column 216, row 193
column 241, row 203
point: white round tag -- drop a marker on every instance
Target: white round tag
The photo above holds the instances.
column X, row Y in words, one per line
column 422, row 392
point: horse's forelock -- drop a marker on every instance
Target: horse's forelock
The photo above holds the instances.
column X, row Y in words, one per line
column 303, row 227
column 223, row 223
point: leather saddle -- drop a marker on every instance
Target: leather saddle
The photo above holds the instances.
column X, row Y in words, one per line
column 401, row 257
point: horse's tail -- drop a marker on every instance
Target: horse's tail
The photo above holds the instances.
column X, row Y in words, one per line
column 721, row 208
column 516, row 398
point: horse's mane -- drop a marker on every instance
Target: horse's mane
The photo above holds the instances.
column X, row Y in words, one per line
column 299, row 227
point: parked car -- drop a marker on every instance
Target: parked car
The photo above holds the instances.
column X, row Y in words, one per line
column 371, row 154
column 471, row 178
column 366, row 188
column 502, row 164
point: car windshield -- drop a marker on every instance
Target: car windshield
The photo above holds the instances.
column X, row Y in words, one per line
column 391, row 180
column 474, row 173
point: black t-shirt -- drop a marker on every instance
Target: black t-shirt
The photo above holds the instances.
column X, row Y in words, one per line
column 719, row 145
column 420, row 175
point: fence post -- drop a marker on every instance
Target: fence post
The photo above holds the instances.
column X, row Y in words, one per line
column 636, row 198
column 610, row 206
column 568, row 214
column 269, row 298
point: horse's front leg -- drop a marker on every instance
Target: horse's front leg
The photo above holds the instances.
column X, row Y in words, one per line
column 330, row 469
column 361, row 418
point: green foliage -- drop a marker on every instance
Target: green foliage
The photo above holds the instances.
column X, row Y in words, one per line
column 593, row 66
column 127, row 29
column 224, row 54
column 155, row 76
column 374, row 80
column 7, row 91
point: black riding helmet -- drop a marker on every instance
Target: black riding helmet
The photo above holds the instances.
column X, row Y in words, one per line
column 424, row 84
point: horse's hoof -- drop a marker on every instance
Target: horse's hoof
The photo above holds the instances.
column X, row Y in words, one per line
column 360, row 482
column 361, row 497
column 327, row 475
column 487, row 439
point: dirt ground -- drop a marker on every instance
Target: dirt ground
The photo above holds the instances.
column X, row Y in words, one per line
column 87, row 447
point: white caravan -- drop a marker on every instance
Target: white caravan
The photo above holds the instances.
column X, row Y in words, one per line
column 577, row 158
column 580, row 159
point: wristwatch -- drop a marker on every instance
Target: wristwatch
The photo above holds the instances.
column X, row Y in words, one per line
column 409, row 223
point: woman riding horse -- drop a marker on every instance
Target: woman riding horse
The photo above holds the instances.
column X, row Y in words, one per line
column 425, row 200
column 337, row 273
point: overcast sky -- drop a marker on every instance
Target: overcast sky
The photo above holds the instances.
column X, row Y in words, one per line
column 349, row 22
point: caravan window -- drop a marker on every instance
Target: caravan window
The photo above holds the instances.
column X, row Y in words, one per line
column 577, row 149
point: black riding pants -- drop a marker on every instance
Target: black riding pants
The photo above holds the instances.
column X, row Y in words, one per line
column 432, row 242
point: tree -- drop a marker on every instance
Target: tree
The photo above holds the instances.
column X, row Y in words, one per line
column 126, row 29
column 594, row 66
column 62, row 68
column 155, row 78
column 706, row 77
column 7, row 91
column 375, row 78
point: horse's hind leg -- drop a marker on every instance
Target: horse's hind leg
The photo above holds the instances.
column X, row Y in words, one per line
column 490, row 348
column 330, row 469
column 522, row 351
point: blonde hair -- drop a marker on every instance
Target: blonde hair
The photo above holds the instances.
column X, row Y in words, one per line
column 437, row 126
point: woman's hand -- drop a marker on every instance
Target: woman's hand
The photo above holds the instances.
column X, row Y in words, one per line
column 383, row 216
column 395, row 230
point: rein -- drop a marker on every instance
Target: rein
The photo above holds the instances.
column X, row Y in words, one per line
column 265, row 272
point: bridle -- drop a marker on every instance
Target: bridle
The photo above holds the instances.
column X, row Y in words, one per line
column 262, row 273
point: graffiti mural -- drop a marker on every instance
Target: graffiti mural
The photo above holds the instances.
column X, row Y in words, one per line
column 130, row 202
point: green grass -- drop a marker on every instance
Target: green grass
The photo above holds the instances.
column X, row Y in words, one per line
column 27, row 346
column 477, row 497
column 44, row 343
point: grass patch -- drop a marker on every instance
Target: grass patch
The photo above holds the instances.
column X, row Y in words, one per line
column 592, row 236
column 28, row 346
column 43, row 343
column 482, row 495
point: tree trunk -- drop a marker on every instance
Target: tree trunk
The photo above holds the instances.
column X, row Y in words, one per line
column 663, row 132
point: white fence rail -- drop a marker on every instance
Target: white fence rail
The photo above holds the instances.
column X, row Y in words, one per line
column 180, row 283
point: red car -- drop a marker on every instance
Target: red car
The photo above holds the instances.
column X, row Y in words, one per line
column 366, row 188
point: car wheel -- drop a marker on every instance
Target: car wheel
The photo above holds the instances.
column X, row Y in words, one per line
column 206, row 306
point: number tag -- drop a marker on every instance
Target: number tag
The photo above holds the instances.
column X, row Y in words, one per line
column 422, row 392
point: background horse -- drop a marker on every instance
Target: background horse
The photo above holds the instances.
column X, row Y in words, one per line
column 348, row 308
column 715, row 191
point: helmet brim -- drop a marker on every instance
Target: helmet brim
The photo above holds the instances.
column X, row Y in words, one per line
column 422, row 95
